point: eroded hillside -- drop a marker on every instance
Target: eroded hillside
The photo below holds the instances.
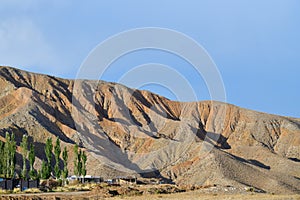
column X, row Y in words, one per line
column 128, row 131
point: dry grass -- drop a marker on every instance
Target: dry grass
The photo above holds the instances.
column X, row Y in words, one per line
column 5, row 191
column 67, row 188
column 16, row 190
column 75, row 187
column 32, row 190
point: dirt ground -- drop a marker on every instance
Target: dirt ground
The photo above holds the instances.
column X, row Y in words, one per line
column 196, row 195
column 192, row 195
column 152, row 192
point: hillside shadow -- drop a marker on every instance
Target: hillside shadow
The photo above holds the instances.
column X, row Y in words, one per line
column 214, row 138
column 9, row 78
column 294, row 159
column 138, row 95
column 62, row 89
column 105, row 147
column 39, row 149
column 156, row 174
column 218, row 140
column 19, row 163
column 251, row 162
column 18, row 132
column 63, row 118
column 51, row 127
column 258, row 164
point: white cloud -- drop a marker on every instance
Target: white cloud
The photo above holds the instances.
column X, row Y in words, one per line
column 23, row 44
column 23, row 5
column 26, row 5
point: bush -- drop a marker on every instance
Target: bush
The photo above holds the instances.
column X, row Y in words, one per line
column 74, row 182
column 59, row 181
column 50, row 184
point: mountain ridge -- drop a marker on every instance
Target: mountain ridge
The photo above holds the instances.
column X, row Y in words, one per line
column 68, row 79
column 127, row 131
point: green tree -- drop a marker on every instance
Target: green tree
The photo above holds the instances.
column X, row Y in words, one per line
column 65, row 159
column 2, row 163
column 48, row 152
column 80, row 159
column 6, row 156
column 13, row 149
column 79, row 163
column 57, row 151
column 76, row 171
column 24, row 151
column 84, row 159
column 44, row 172
column 31, row 157
column 9, row 155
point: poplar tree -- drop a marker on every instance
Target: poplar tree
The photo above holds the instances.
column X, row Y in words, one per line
column 48, row 152
column 57, row 151
column 24, row 151
column 31, row 158
column 79, row 163
column 65, row 159
column 12, row 150
column 76, row 171
column 9, row 155
column 6, row 155
column 2, row 163
column 44, row 173
column 84, row 159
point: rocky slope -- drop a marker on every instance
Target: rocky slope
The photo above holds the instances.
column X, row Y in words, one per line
column 126, row 131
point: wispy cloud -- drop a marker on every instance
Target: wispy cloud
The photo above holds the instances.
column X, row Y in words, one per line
column 30, row 4
column 23, row 44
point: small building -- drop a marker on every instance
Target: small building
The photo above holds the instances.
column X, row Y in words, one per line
column 128, row 180
column 85, row 179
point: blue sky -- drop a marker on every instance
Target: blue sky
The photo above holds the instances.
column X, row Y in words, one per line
column 255, row 44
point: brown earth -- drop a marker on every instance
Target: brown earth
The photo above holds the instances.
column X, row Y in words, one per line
column 132, row 132
column 151, row 193
column 181, row 196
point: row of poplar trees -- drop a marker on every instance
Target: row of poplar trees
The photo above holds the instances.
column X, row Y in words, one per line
column 8, row 159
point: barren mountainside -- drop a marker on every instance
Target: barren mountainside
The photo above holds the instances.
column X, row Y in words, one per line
column 127, row 131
